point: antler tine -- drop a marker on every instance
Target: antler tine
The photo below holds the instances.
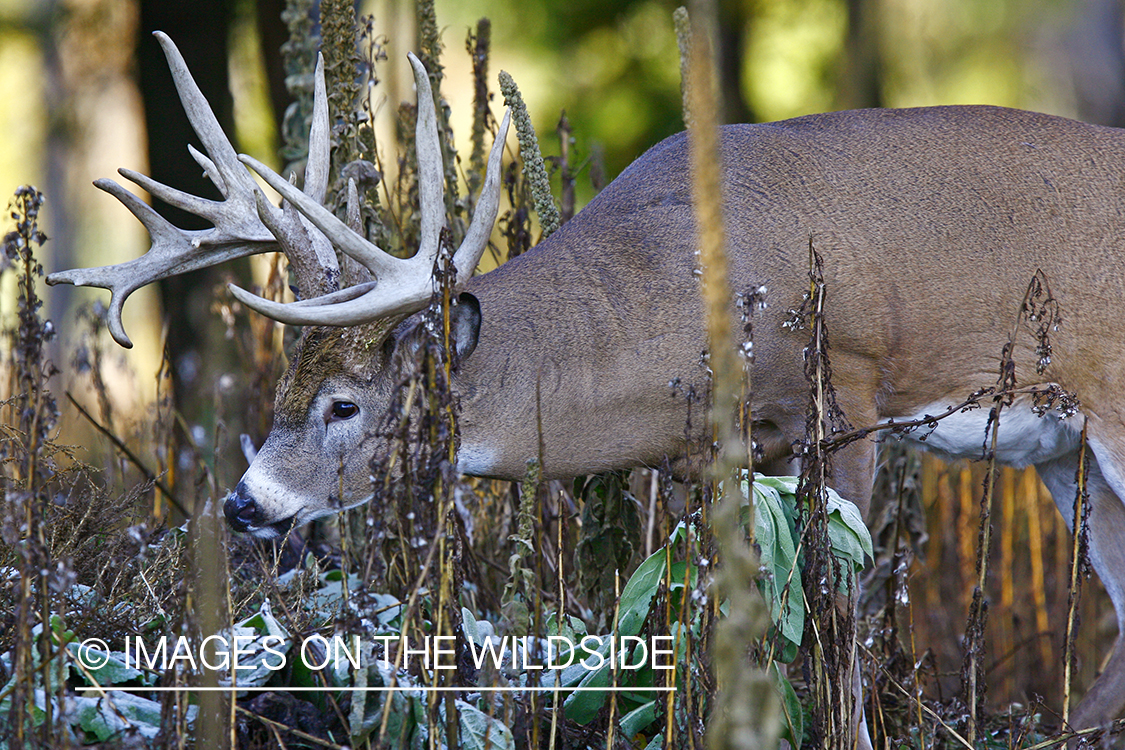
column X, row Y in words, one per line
column 403, row 285
column 430, row 178
column 245, row 223
column 173, row 250
column 354, row 305
column 310, row 253
column 209, row 170
column 430, row 193
column 320, row 143
column 335, row 230
column 186, row 201
column 203, row 120
column 238, row 230
column 324, row 276
column 467, row 257
column 351, row 271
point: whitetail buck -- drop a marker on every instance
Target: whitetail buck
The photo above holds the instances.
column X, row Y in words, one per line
column 932, row 222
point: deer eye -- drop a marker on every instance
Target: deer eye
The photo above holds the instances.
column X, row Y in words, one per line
column 342, row 410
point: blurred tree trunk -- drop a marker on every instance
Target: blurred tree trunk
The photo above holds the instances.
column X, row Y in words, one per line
column 272, row 33
column 861, row 85
column 200, row 30
column 734, row 16
column 1096, row 60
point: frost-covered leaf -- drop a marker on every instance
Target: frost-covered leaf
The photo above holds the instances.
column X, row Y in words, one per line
column 639, row 718
column 118, row 712
column 112, row 672
column 479, row 731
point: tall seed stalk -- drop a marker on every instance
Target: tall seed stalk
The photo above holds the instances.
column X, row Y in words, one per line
column 25, row 438
column 746, row 713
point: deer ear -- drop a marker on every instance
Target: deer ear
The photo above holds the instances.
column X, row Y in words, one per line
column 464, row 325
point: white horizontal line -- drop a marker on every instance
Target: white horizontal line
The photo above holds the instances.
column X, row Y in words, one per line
column 399, row 689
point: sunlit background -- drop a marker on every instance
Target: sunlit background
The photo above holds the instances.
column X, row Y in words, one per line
column 72, row 112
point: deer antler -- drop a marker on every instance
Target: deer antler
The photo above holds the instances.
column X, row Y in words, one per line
column 244, row 223
column 402, row 285
column 237, row 230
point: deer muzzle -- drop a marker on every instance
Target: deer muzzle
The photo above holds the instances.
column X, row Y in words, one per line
column 241, row 510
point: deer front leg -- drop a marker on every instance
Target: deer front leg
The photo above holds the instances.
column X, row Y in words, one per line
column 1105, row 700
column 852, row 476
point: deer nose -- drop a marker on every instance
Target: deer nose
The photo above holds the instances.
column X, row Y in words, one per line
column 240, row 508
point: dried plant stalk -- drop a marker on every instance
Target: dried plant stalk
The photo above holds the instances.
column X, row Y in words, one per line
column 533, row 166
column 746, row 713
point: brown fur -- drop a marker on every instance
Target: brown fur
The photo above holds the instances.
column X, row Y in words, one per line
column 323, row 351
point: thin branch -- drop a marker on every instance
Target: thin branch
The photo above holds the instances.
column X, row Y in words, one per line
column 279, row 727
column 129, row 455
column 836, row 442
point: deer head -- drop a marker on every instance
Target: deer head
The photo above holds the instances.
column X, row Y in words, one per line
column 345, row 361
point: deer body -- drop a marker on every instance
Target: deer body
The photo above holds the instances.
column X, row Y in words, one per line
column 931, row 223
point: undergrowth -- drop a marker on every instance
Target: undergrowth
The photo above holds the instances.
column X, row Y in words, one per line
column 99, row 564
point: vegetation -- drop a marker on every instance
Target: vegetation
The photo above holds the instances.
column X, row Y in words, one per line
column 130, row 549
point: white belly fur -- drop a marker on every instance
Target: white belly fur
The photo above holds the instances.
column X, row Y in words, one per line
column 475, row 460
column 1023, row 439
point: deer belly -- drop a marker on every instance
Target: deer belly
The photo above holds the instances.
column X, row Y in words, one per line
column 1024, row 437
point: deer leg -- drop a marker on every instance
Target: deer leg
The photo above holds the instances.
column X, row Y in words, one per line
column 853, row 475
column 1105, row 700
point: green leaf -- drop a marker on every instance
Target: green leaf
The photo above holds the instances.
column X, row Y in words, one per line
column 790, row 707
column 257, row 664
column 582, row 707
column 571, row 627
column 264, row 623
column 112, row 672
column 117, row 713
column 469, row 625
column 400, row 703
column 633, row 722
column 637, row 595
column 848, row 533
column 784, row 485
column 778, row 556
column 479, row 731
column 775, row 532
